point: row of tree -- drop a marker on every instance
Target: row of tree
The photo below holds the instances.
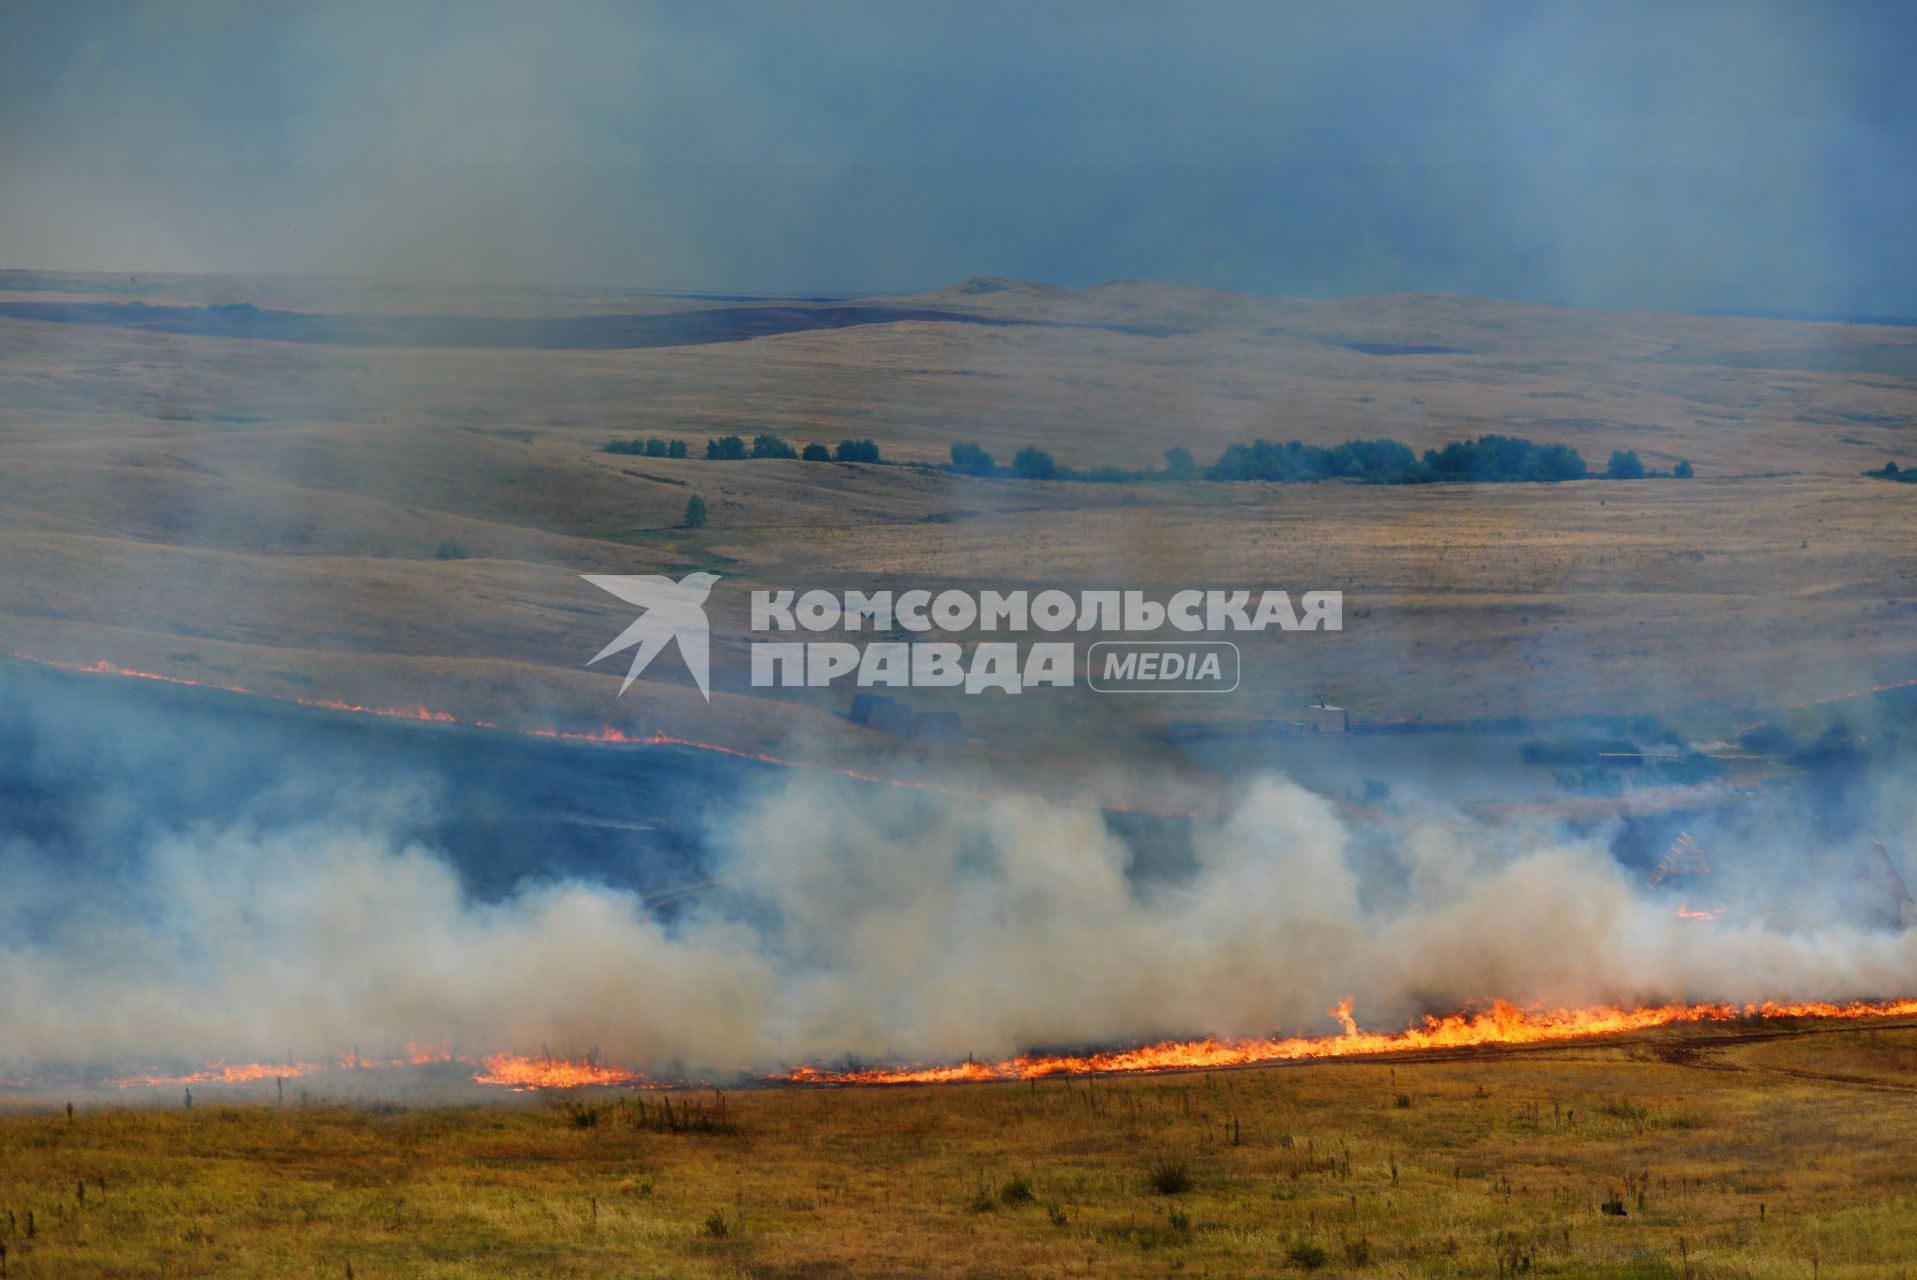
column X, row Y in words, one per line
column 735, row 449
column 649, row 447
column 1485, row 460
column 1029, row 463
column 1492, row 459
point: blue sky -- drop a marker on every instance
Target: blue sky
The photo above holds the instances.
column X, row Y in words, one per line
column 1685, row 155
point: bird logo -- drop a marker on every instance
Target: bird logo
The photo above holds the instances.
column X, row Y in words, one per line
column 673, row 611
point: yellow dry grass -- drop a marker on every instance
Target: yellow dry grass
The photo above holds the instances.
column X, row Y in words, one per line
column 1718, row 1158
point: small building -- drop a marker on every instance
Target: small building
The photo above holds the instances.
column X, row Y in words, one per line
column 1320, row 718
column 865, row 705
column 881, row 714
column 1683, row 863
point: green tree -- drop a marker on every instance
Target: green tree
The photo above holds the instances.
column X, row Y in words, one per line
column 1625, row 465
column 817, row 453
column 968, row 458
column 856, row 451
column 725, row 449
column 1683, row 470
column 655, row 447
column 1033, row 463
column 676, row 449
column 1559, row 462
column 695, row 512
column 770, row 446
column 1179, row 464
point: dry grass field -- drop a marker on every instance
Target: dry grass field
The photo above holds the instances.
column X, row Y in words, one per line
column 1716, row 1157
column 267, row 514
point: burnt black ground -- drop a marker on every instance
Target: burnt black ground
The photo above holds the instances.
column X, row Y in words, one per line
column 94, row 768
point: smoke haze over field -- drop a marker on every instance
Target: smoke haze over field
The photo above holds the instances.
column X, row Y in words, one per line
column 234, row 919
column 1690, row 155
column 403, row 528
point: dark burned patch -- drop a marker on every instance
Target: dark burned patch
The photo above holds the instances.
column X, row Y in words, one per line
column 1697, row 1056
column 1401, row 349
column 565, row 333
column 670, row 329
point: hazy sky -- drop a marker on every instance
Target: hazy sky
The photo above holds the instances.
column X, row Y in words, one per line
column 1742, row 155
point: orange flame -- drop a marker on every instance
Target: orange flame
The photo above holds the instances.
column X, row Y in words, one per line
column 520, row 1073
column 416, row 1055
column 1502, row 1024
column 218, row 1073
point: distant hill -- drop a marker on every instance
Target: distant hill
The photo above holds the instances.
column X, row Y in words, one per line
column 248, row 482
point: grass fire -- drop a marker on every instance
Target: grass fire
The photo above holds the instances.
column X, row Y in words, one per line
column 784, row 642
column 1714, row 1147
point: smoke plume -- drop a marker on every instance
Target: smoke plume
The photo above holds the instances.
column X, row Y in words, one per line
column 864, row 922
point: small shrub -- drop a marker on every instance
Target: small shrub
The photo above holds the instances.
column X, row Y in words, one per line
column 1614, row 1206
column 1016, row 1190
column 1402, row 1101
column 1306, row 1256
column 982, row 1201
column 1055, row 1214
column 1358, row 1252
column 688, row 1117
column 1635, row 1114
column 695, row 512
column 716, row 1226
column 449, row 549
column 1178, row 1220
column 1168, row 1177
column 584, row 1115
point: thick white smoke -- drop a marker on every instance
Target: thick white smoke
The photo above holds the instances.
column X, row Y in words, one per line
column 869, row 923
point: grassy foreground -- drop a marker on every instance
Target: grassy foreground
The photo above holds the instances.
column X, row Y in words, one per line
column 1660, row 1157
